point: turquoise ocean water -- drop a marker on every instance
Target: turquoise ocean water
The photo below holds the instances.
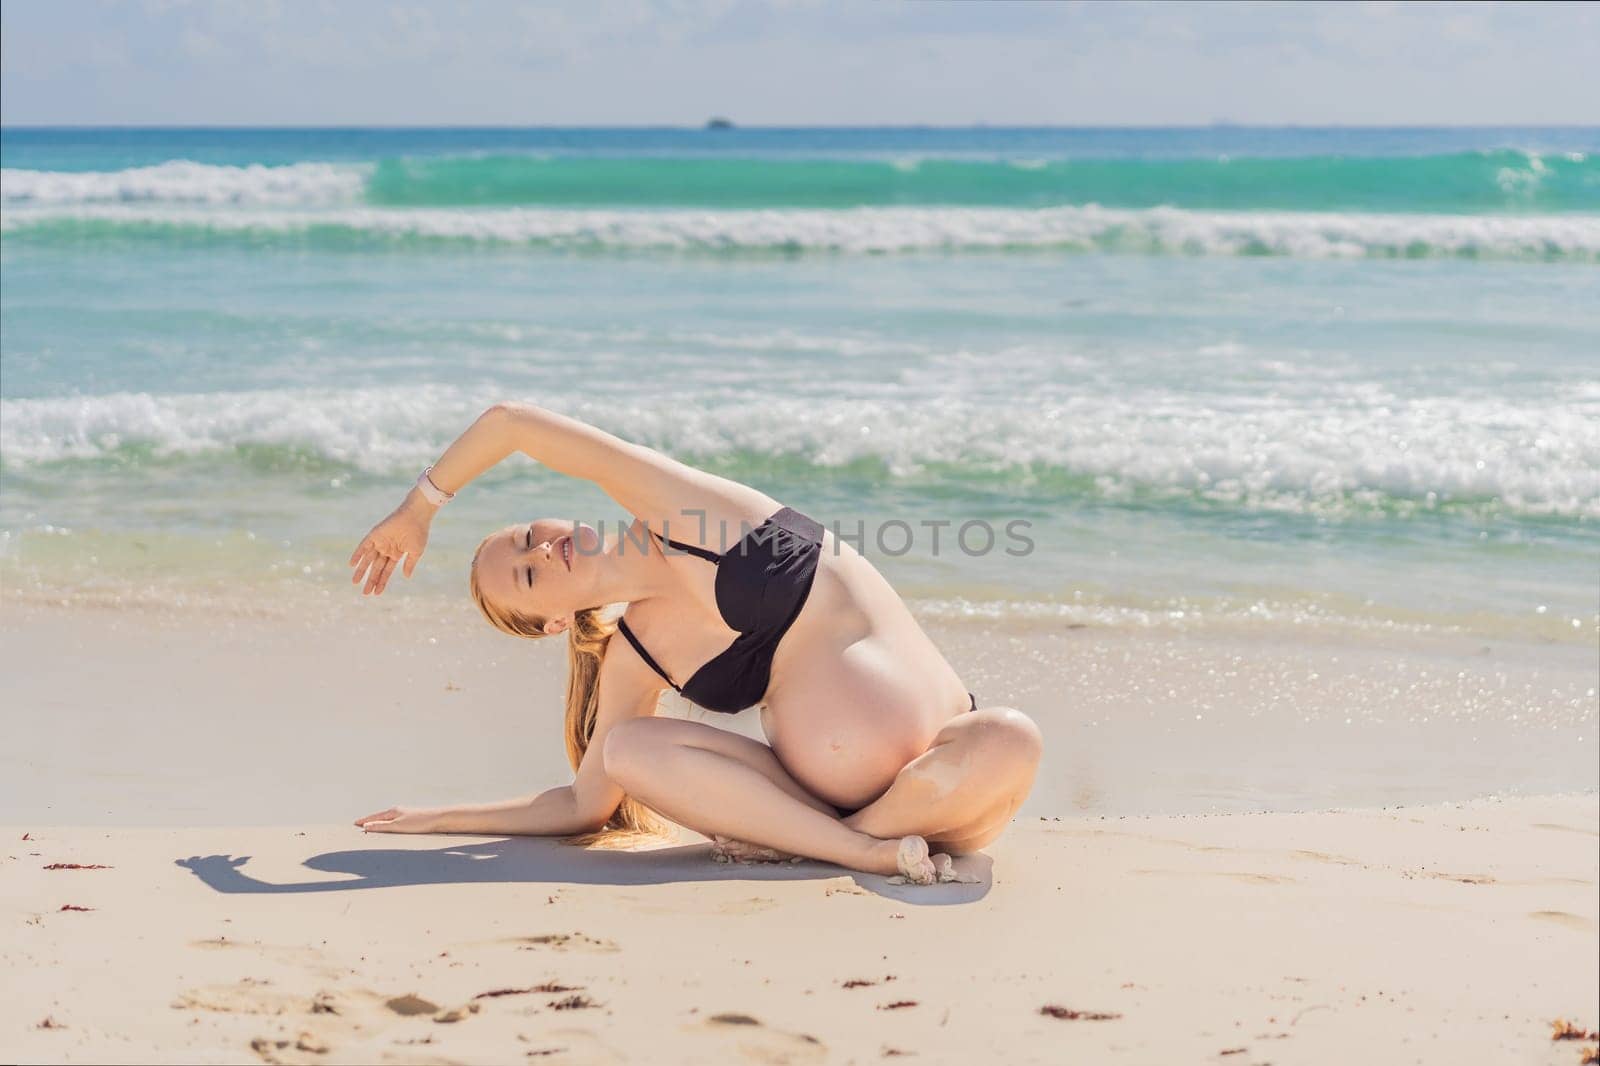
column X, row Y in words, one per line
column 1230, row 377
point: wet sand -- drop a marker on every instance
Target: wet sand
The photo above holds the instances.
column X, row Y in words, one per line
column 274, row 712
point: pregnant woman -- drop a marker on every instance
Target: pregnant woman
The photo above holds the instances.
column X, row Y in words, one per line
column 877, row 751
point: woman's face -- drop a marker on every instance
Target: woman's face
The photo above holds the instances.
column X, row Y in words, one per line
column 545, row 568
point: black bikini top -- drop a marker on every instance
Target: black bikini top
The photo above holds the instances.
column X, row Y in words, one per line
column 761, row 584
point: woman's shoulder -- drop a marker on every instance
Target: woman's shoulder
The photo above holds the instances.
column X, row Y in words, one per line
column 713, row 518
column 626, row 657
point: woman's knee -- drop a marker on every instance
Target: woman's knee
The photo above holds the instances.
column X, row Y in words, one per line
column 628, row 746
column 1008, row 736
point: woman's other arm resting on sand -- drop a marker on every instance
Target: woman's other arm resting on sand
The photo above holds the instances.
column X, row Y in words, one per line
column 553, row 812
column 628, row 689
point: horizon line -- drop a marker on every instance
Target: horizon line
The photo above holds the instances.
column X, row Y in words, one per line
column 703, row 127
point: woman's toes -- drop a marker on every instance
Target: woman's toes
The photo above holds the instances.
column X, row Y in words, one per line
column 945, row 866
column 913, row 862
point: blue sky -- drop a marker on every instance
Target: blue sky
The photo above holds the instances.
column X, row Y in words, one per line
column 793, row 62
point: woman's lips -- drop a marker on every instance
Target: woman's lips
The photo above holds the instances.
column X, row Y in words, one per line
column 566, row 551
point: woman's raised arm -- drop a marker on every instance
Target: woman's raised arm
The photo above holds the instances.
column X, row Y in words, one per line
column 563, row 444
column 649, row 484
column 645, row 482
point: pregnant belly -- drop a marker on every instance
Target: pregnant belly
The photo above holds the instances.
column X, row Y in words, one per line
column 845, row 720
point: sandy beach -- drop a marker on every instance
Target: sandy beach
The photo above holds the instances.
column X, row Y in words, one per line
column 1452, row 933
column 1413, row 930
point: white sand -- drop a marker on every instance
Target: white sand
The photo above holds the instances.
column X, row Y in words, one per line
column 1426, row 933
column 1444, row 934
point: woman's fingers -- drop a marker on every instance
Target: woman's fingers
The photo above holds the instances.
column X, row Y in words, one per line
column 374, row 573
column 376, row 557
column 376, row 569
column 383, row 575
column 369, row 561
column 383, row 814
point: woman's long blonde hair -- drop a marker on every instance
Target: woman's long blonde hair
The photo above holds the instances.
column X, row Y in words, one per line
column 587, row 638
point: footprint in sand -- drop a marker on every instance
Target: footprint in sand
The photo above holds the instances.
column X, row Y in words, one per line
column 324, row 1020
column 755, row 1042
column 1571, row 921
column 286, row 1051
column 316, row 1016
column 559, row 942
column 408, row 1005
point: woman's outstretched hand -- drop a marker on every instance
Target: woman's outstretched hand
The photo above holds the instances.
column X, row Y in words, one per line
column 398, row 820
column 403, row 535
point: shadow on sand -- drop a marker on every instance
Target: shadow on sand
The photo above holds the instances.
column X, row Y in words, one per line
column 535, row 860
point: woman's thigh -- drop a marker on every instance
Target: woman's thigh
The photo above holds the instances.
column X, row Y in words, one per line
column 647, row 732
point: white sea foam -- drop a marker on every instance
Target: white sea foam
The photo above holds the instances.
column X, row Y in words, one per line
column 854, row 230
column 1180, row 614
column 369, row 428
column 1365, row 449
column 781, row 340
column 184, row 182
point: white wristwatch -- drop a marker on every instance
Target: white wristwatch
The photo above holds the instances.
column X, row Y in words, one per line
column 431, row 492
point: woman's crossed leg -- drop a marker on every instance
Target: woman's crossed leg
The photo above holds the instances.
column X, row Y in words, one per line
column 958, row 795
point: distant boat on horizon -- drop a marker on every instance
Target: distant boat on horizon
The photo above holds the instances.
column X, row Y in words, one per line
column 719, row 123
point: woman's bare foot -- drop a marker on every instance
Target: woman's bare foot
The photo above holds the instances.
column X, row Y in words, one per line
column 917, row 867
column 912, row 859
column 726, row 849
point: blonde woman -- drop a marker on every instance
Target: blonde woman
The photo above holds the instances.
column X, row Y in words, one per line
column 877, row 751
